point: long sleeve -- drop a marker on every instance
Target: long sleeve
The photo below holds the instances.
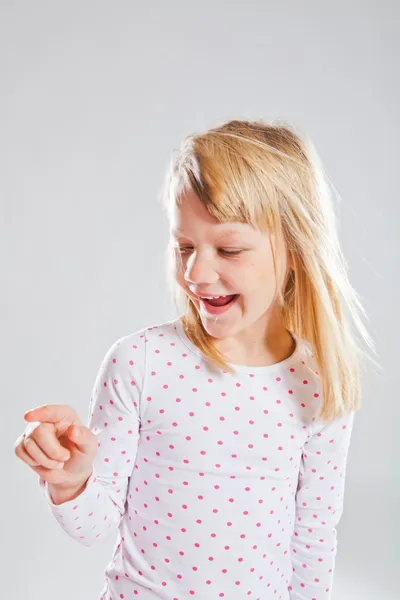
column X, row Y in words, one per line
column 319, row 506
column 114, row 419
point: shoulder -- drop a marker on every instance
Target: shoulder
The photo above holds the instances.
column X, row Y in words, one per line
column 127, row 358
column 308, row 357
column 304, row 357
column 137, row 342
column 307, row 382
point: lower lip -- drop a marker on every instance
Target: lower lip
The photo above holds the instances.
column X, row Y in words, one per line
column 218, row 310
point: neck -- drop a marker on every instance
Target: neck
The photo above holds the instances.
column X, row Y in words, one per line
column 250, row 348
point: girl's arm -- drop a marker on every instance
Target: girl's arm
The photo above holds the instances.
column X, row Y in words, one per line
column 114, row 418
column 319, row 506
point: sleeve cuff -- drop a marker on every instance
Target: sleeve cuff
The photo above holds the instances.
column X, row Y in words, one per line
column 83, row 496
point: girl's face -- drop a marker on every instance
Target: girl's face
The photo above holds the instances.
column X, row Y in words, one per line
column 224, row 259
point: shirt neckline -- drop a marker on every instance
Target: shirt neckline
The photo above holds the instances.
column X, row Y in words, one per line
column 296, row 355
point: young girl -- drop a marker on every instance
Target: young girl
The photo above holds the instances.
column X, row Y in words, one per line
column 222, row 436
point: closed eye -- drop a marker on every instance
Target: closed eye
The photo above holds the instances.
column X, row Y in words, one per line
column 223, row 251
column 230, row 252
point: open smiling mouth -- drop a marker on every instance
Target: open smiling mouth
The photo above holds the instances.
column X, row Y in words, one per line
column 217, row 306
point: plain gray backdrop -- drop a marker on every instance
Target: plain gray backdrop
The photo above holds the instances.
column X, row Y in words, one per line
column 94, row 97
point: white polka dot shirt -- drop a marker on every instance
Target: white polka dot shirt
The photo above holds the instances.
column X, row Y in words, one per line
column 219, row 485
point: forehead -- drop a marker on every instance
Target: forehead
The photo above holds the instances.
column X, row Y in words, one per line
column 190, row 218
column 220, row 229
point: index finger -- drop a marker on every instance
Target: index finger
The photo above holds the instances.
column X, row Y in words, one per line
column 52, row 413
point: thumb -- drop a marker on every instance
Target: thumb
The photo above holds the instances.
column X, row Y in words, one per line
column 83, row 438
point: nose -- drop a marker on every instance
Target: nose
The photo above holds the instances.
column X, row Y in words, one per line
column 200, row 270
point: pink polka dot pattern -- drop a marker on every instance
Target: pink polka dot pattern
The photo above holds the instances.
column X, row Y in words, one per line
column 219, row 485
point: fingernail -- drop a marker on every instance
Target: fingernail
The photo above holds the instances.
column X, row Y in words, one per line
column 60, row 465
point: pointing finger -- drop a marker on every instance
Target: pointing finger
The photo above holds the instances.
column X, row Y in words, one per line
column 52, row 413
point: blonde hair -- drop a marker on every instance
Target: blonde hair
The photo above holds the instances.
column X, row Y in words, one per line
column 266, row 175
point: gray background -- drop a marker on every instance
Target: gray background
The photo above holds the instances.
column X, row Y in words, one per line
column 94, row 96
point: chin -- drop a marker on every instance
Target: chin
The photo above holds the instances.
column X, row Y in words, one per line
column 217, row 329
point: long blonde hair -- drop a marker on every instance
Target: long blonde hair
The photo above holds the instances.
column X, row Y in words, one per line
column 266, row 175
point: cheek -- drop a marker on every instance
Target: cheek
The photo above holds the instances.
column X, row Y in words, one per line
column 180, row 279
column 179, row 270
column 257, row 276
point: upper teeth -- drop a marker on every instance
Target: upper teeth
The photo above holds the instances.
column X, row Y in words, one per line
column 212, row 297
